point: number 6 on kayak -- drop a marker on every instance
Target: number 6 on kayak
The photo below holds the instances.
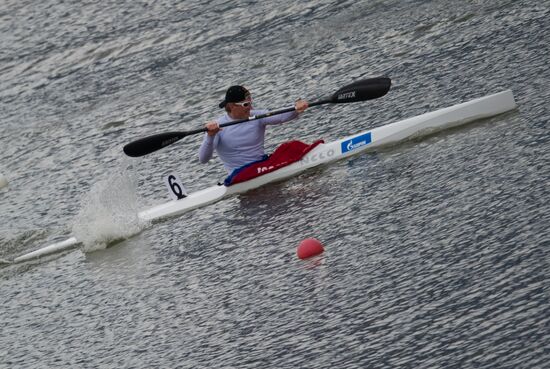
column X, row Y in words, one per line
column 175, row 187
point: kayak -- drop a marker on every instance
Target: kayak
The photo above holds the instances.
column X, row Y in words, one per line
column 324, row 153
column 327, row 152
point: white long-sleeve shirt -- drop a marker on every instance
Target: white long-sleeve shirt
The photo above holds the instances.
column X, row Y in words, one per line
column 241, row 143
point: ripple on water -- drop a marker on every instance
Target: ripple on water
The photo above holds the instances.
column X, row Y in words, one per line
column 435, row 249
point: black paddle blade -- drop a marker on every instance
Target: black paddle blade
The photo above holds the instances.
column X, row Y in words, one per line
column 366, row 89
column 147, row 145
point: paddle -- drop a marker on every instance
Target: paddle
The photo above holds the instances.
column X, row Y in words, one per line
column 363, row 90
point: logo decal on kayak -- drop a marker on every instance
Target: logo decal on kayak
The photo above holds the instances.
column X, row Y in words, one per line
column 318, row 156
column 356, row 142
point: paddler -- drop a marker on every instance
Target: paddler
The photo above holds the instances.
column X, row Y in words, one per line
column 241, row 144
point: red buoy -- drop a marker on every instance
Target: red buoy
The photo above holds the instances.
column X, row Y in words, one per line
column 309, row 247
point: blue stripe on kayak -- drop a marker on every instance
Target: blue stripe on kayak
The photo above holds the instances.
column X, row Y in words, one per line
column 356, row 142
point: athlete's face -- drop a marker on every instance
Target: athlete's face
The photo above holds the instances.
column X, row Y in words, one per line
column 241, row 109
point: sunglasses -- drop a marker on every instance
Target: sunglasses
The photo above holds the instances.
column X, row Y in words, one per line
column 244, row 104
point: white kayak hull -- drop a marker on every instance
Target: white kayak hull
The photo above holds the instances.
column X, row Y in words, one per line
column 50, row 249
column 453, row 116
column 352, row 145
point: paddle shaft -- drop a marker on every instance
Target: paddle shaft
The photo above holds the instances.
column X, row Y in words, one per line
column 261, row 116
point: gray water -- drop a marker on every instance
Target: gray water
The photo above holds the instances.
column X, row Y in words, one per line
column 436, row 249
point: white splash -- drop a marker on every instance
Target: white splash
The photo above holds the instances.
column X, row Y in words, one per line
column 109, row 212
